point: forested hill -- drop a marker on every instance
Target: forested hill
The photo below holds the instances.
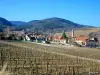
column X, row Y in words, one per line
column 4, row 23
column 51, row 24
column 44, row 25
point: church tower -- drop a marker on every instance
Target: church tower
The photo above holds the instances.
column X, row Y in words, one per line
column 72, row 33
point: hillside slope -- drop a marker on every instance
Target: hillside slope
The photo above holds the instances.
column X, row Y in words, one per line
column 51, row 24
column 46, row 25
column 17, row 22
column 4, row 23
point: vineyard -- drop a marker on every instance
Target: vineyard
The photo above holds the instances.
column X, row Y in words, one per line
column 37, row 60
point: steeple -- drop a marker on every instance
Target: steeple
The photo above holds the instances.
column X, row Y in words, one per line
column 72, row 33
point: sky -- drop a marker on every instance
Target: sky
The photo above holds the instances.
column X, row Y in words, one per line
column 85, row 12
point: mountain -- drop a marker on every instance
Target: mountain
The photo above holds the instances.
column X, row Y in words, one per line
column 51, row 24
column 17, row 22
column 45, row 25
column 4, row 23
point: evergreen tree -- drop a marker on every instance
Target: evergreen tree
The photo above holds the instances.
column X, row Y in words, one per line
column 64, row 36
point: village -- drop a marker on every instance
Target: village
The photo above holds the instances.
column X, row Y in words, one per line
column 51, row 38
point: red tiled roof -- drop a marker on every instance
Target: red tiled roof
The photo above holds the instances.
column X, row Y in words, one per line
column 81, row 38
column 55, row 36
column 59, row 37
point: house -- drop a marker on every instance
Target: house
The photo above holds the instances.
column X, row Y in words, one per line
column 93, row 42
column 94, row 39
column 81, row 40
column 37, row 37
column 27, row 38
column 49, row 37
column 60, row 38
column 18, row 33
column 55, row 37
column 2, row 37
column 32, row 37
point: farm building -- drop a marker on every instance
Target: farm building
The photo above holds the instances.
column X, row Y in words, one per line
column 81, row 40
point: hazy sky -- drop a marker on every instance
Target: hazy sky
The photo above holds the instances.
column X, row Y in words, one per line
column 80, row 11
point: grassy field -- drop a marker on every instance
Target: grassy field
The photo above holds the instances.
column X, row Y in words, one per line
column 36, row 59
column 83, row 31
